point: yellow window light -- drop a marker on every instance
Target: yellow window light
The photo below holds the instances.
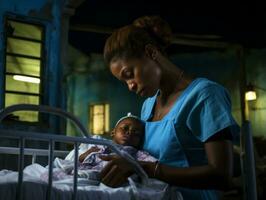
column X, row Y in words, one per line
column 26, row 79
column 250, row 93
column 250, row 96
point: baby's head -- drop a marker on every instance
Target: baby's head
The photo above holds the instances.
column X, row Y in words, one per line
column 129, row 131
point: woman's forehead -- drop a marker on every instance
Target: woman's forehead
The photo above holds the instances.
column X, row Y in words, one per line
column 120, row 62
column 116, row 64
column 116, row 69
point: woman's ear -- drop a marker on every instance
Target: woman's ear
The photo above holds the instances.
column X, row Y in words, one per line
column 151, row 51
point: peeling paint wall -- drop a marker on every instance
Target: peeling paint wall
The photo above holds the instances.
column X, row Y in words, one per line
column 85, row 87
column 219, row 66
column 47, row 12
column 256, row 75
column 91, row 82
column 223, row 67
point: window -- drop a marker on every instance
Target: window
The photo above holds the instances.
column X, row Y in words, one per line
column 23, row 66
column 99, row 118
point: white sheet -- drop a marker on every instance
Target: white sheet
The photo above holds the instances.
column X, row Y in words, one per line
column 35, row 187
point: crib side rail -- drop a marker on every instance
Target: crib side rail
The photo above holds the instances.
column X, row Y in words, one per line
column 44, row 109
column 33, row 152
column 23, row 135
column 57, row 111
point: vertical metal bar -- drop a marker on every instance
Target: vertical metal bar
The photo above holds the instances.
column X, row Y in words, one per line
column 246, row 140
column 250, row 171
column 33, row 160
column 50, row 177
column 242, row 81
column 243, row 105
column 75, row 170
column 20, row 169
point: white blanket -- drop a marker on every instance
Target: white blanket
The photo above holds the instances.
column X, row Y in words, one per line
column 63, row 187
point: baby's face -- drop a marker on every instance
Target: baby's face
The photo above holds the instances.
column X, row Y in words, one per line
column 129, row 132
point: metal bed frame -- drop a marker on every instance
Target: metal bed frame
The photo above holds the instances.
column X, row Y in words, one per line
column 31, row 152
column 21, row 136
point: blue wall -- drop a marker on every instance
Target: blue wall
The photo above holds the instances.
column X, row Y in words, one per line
column 256, row 75
column 222, row 66
column 91, row 82
column 100, row 88
column 219, row 66
column 48, row 13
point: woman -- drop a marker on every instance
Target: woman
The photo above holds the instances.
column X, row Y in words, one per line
column 189, row 126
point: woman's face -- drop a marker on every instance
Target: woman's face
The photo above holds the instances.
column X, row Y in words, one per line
column 142, row 75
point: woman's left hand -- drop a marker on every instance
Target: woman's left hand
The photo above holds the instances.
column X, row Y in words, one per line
column 116, row 172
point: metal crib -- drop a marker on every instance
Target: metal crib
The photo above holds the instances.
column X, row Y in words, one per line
column 21, row 136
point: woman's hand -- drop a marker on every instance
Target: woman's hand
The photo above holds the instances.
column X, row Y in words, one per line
column 116, row 172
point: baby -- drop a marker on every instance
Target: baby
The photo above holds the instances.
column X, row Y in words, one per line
column 129, row 133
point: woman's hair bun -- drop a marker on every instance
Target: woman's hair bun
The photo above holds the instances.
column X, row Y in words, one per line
column 157, row 27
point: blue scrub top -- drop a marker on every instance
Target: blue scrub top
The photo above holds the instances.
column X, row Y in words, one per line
column 202, row 110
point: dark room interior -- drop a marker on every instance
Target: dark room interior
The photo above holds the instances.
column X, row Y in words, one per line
column 59, row 44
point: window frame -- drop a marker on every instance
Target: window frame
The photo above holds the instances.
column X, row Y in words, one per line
column 106, row 124
column 41, row 59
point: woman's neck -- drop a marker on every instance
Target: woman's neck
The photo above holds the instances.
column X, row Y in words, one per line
column 172, row 82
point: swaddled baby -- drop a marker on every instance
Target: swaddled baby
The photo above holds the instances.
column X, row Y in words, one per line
column 128, row 133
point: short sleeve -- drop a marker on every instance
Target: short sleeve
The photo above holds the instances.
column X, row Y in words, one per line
column 211, row 113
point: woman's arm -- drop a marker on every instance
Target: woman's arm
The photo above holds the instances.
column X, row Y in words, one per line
column 216, row 174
